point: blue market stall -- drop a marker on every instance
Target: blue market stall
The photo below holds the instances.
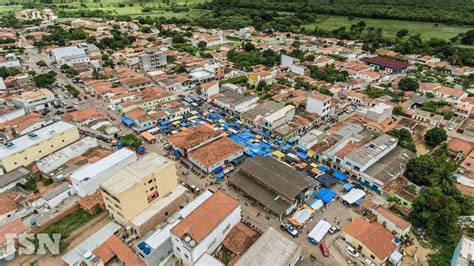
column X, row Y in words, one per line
column 340, row 176
column 326, row 195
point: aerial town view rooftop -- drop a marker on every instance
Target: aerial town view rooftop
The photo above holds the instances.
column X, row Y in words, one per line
column 236, row 132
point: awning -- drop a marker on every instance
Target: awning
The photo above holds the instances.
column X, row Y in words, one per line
column 192, row 117
column 176, row 123
column 347, row 186
column 310, row 153
column 302, row 155
column 316, row 204
column 279, row 154
column 286, row 148
column 127, row 121
column 301, row 216
column 340, row 176
column 319, row 231
column 323, row 168
column 326, row 195
column 353, row 196
column 218, row 170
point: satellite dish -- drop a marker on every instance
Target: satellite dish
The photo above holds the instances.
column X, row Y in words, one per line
column 187, row 239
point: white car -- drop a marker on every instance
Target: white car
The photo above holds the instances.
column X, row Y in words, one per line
column 451, row 127
column 351, row 251
column 368, row 262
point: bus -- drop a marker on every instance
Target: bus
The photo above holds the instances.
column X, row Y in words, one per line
column 148, row 137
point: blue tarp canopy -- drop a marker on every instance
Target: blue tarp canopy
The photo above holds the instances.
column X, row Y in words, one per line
column 302, row 155
column 286, row 148
column 323, row 168
column 127, row 121
column 220, row 176
column 347, row 186
column 326, row 195
column 340, row 176
column 164, row 122
column 218, row 170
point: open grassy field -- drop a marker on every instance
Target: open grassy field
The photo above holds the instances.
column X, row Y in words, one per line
column 391, row 27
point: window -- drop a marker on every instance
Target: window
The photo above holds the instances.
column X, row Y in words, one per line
column 186, row 256
column 149, row 181
column 179, row 250
column 372, row 256
column 226, row 229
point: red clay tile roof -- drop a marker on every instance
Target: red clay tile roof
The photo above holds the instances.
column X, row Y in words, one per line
column 457, row 145
column 22, row 122
column 204, row 219
column 450, row 91
column 8, row 202
column 392, row 217
column 82, row 115
column 319, row 96
column 14, row 227
column 215, row 151
column 207, row 85
column 240, row 238
column 193, row 136
column 373, row 235
column 113, row 247
column 385, row 62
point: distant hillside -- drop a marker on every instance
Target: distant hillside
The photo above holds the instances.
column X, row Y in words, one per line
column 451, row 12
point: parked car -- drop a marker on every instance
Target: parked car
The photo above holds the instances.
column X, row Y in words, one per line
column 351, row 251
column 334, row 229
column 194, row 189
column 324, row 249
column 368, row 262
column 290, row 229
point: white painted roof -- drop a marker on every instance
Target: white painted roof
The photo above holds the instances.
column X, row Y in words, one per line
column 102, row 165
column 40, row 135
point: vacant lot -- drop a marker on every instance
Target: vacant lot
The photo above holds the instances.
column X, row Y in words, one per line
column 391, row 27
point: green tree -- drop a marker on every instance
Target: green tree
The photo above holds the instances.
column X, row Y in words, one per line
column 437, row 212
column 397, row 110
column 405, row 139
column 44, row 80
column 41, row 63
column 408, row 84
column 72, row 91
column 435, row 136
column 131, row 140
column 420, row 168
column 202, row 45
column 249, row 47
column 402, row 33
